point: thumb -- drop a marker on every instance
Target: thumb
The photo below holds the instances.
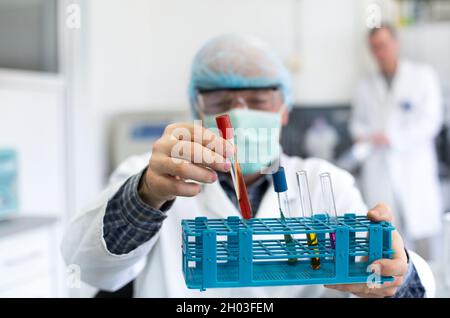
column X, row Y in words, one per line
column 380, row 212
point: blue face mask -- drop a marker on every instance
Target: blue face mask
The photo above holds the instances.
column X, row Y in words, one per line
column 256, row 135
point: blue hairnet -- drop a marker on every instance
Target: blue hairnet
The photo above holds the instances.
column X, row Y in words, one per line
column 237, row 61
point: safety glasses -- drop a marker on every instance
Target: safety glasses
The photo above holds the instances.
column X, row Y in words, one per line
column 211, row 102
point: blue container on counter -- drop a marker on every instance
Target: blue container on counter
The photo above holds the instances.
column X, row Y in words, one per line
column 8, row 182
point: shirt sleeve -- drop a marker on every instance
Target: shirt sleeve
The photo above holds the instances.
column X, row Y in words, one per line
column 129, row 221
column 412, row 286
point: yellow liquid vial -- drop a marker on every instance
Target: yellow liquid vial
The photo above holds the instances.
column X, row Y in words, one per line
column 312, row 241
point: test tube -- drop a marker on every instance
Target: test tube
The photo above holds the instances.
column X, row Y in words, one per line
column 329, row 202
column 307, row 211
column 227, row 132
column 280, row 186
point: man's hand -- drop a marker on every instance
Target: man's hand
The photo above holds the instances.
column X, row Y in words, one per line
column 380, row 140
column 397, row 266
column 184, row 153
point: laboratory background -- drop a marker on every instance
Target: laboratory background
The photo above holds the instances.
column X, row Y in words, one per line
column 85, row 84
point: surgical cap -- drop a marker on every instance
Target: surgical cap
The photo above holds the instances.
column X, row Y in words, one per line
column 237, row 61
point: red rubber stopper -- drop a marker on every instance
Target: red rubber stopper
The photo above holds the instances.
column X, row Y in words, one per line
column 224, row 124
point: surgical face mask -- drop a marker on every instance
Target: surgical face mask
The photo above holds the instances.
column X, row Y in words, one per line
column 256, row 135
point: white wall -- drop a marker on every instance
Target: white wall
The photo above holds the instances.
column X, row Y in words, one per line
column 141, row 50
column 120, row 36
column 332, row 41
column 179, row 28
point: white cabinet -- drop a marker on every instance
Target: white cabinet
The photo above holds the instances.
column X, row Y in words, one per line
column 28, row 258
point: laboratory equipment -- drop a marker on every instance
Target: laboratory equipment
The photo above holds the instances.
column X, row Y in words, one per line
column 234, row 252
column 280, row 186
column 8, row 182
column 135, row 132
column 226, row 131
column 293, row 136
column 29, row 260
column 307, row 211
column 321, row 139
column 329, row 202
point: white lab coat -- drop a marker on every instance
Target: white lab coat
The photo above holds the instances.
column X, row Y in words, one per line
column 156, row 265
column 405, row 174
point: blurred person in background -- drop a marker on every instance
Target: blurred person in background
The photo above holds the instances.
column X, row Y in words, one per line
column 398, row 112
column 132, row 230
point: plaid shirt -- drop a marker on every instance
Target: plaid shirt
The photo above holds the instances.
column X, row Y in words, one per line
column 130, row 222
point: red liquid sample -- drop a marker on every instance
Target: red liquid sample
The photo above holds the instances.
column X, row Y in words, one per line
column 226, row 131
column 244, row 202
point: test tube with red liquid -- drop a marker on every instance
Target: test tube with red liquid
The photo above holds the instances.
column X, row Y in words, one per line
column 227, row 132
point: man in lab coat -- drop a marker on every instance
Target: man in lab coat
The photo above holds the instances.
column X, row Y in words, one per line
column 132, row 230
column 398, row 111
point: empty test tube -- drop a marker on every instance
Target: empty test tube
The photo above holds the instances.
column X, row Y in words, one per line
column 280, row 186
column 329, row 202
column 307, row 211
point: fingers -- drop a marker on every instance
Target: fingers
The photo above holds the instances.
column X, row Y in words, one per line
column 360, row 290
column 200, row 135
column 398, row 247
column 387, row 289
column 377, row 293
column 207, row 149
column 383, row 267
column 381, row 212
column 164, row 165
column 397, row 266
column 198, row 154
column 175, row 187
column 391, row 267
column 349, row 288
column 184, row 152
column 394, row 284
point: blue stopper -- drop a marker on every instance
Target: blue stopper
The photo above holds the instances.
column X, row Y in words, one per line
column 279, row 180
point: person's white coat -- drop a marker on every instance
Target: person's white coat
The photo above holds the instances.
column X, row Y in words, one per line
column 156, row 265
column 404, row 175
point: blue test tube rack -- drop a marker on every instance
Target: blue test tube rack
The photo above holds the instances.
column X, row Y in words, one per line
column 233, row 252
